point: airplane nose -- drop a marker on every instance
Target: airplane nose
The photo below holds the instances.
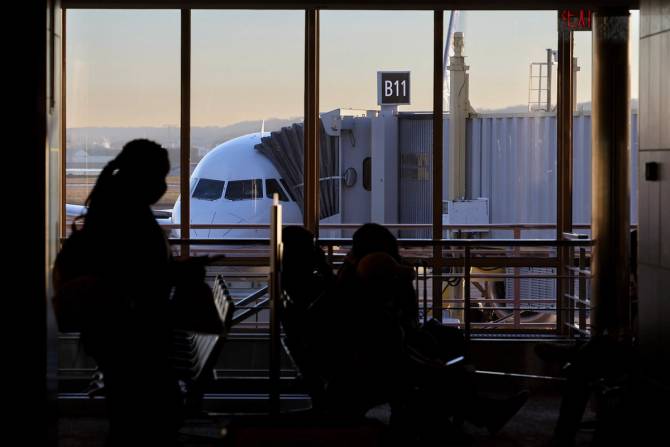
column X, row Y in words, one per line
column 226, row 218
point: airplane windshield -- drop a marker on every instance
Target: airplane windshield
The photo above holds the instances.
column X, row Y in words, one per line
column 271, row 187
column 208, row 189
column 288, row 190
column 244, row 190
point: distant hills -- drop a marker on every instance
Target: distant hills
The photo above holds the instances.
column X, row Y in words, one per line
column 522, row 108
column 104, row 141
column 93, row 146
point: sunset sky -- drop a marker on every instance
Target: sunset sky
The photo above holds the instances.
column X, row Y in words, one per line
column 123, row 66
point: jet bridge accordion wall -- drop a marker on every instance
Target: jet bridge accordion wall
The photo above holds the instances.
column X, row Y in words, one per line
column 285, row 149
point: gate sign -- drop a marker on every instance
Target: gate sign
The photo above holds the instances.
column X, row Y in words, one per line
column 392, row 88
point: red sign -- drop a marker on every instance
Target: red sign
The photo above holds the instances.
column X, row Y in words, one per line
column 574, row 20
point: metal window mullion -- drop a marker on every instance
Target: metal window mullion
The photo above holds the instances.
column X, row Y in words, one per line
column 563, row 161
column 185, row 129
column 312, row 125
column 63, row 130
column 438, row 107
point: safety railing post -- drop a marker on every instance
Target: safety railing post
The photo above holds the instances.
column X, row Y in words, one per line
column 466, row 292
column 517, row 283
column 582, row 289
column 425, row 290
column 425, row 294
column 275, row 302
column 569, row 299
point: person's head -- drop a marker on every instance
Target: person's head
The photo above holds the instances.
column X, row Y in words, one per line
column 380, row 266
column 300, row 257
column 136, row 174
column 371, row 238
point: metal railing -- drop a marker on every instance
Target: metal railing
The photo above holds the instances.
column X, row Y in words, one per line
column 576, row 296
column 467, row 264
column 477, row 263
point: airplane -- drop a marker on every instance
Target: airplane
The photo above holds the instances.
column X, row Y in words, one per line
column 232, row 184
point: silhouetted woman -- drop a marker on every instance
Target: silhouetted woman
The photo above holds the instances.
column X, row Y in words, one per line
column 128, row 333
column 403, row 358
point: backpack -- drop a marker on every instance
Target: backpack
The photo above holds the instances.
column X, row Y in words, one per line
column 73, row 283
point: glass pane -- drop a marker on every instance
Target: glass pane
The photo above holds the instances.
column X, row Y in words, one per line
column 499, row 166
column 287, row 189
column 244, row 190
column 271, row 187
column 369, row 141
column 208, row 189
column 500, row 127
column 246, row 84
column 122, row 83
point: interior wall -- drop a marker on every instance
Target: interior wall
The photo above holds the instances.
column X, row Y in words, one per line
column 52, row 203
column 654, row 195
column 24, row 356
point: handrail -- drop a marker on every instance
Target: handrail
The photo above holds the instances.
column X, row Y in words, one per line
column 407, row 242
column 251, row 311
column 252, row 297
column 573, row 236
column 475, row 242
column 496, row 226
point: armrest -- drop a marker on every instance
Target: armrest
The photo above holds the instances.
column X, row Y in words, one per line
column 426, row 361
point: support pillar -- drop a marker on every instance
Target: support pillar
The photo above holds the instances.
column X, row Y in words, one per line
column 564, row 166
column 610, row 143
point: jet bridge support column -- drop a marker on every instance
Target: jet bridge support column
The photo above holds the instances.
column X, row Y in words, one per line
column 384, row 151
column 610, row 185
column 459, row 106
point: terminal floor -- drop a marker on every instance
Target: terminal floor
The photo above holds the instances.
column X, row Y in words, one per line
column 532, row 426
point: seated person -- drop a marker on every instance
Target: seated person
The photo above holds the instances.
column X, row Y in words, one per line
column 380, row 280
column 432, row 339
column 360, row 327
column 318, row 333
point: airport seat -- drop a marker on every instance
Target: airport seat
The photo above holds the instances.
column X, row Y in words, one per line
column 195, row 354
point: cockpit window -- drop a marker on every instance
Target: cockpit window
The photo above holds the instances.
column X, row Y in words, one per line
column 271, row 187
column 208, row 189
column 288, row 190
column 244, row 190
